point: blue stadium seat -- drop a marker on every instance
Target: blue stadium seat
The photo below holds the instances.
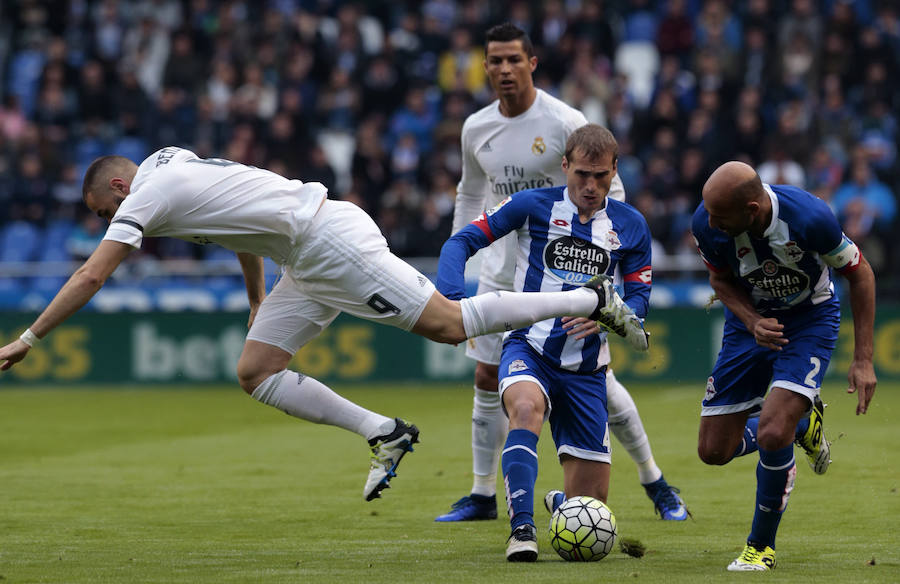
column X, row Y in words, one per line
column 50, row 284
column 55, row 235
column 19, row 242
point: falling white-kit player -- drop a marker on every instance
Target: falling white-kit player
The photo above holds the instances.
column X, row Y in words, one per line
column 335, row 259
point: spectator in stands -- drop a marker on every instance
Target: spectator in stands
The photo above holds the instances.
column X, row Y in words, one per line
column 675, row 34
column 371, row 168
column 865, row 200
column 825, row 171
column 85, row 237
column 230, row 78
column 779, row 169
column 417, row 117
column 460, row 67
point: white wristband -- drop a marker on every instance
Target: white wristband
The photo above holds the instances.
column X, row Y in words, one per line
column 29, row 338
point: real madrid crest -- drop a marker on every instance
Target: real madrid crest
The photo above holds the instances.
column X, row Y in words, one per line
column 538, row 147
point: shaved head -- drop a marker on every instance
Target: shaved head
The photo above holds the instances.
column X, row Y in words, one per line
column 733, row 182
column 736, row 201
column 101, row 171
column 107, row 182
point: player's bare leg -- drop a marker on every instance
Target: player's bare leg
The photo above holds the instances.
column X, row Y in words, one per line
column 720, row 437
column 585, row 477
column 263, row 373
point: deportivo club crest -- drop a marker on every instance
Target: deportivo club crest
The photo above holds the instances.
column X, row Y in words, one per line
column 710, row 388
column 613, row 240
column 793, row 251
column 538, row 147
column 517, row 365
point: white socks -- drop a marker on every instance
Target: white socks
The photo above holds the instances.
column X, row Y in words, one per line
column 305, row 398
column 489, row 428
column 625, row 424
column 496, row 312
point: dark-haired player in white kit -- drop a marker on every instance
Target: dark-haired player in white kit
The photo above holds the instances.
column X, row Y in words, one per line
column 517, row 143
column 334, row 258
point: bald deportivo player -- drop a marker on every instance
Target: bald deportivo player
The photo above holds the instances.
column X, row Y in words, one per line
column 334, row 257
column 770, row 251
column 513, row 144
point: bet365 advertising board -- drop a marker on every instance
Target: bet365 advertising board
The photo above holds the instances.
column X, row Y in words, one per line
column 196, row 347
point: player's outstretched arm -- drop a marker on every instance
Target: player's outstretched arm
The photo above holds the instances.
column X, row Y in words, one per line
column 255, row 281
column 861, row 376
column 76, row 292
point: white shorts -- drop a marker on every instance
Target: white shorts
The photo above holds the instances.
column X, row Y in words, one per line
column 342, row 265
column 486, row 348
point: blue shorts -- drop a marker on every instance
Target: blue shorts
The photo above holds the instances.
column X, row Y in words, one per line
column 744, row 371
column 576, row 402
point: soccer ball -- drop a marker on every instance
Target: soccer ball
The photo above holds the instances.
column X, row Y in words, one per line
column 583, row 529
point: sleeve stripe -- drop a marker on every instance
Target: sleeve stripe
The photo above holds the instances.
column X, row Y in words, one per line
column 641, row 276
column 482, row 224
column 134, row 224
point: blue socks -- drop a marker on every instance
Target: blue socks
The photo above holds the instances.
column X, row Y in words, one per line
column 802, row 427
column 774, row 482
column 519, row 463
column 748, row 443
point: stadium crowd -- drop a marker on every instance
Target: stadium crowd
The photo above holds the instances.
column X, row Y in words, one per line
column 369, row 97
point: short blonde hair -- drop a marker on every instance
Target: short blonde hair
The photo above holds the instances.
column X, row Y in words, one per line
column 592, row 141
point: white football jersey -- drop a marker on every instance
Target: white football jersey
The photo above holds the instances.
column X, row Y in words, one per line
column 245, row 209
column 502, row 156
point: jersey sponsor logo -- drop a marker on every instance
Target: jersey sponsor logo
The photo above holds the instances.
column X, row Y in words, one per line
column 511, row 186
column 517, row 365
column 486, row 147
column 777, row 280
column 575, row 260
column 742, row 252
column 560, row 222
column 793, row 251
column 538, row 147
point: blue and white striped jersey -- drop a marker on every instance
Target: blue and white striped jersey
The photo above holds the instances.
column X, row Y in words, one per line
column 787, row 270
column 557, row 252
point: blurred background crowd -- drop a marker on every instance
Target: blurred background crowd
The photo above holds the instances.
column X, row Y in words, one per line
column 369, row 97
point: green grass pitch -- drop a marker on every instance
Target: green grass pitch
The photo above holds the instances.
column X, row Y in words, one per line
column 204, row 485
